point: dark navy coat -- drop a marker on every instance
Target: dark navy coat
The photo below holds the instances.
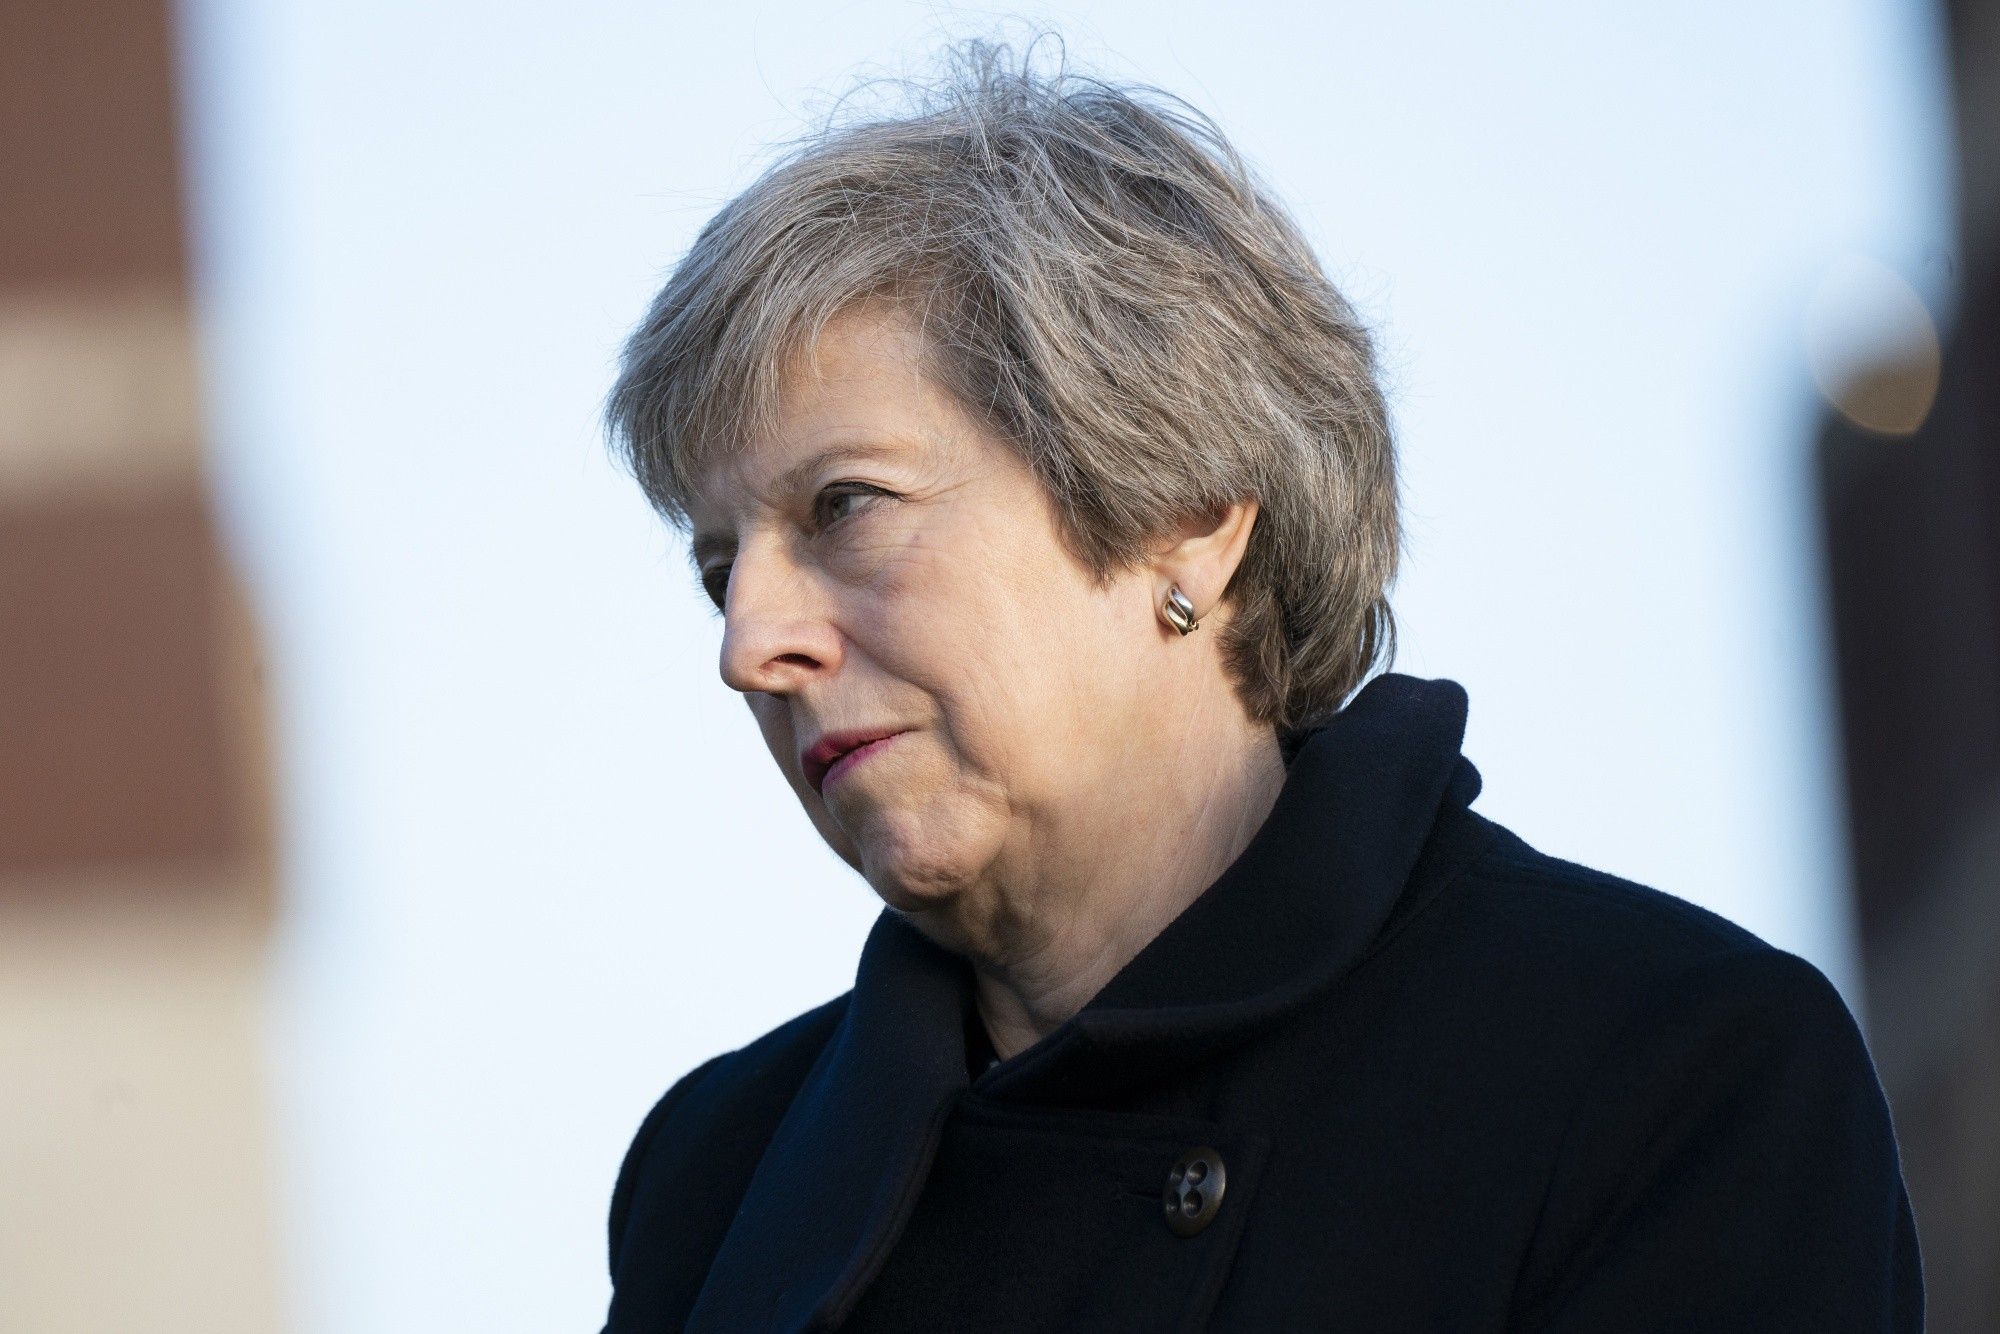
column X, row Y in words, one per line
column 1445, row 1081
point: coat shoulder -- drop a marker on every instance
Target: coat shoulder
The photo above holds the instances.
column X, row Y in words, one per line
column 718, row 1117
column 1672, row 1088
column 1694, row 1091
column 1547, row 958
column 1524, row 908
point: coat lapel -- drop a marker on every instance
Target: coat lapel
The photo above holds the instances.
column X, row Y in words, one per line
column 1289, row 916
column 1294, row 911
column 851, row 1153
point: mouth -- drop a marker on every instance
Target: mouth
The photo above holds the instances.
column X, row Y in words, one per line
column 837, row 752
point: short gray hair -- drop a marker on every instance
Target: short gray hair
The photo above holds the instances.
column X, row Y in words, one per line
column 1100, row 278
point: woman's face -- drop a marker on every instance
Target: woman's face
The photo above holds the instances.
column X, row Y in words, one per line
column 885, row 564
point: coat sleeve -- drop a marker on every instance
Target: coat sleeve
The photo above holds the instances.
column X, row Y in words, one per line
column 1730, row 1165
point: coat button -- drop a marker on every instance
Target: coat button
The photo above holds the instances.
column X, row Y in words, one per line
column 1194, row 1191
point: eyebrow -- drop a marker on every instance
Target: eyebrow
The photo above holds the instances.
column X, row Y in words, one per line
column 792, row 478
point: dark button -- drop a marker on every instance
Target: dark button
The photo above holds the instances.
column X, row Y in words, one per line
column 1194, row 1191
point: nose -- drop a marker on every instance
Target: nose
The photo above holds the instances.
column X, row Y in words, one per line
column 777, row 633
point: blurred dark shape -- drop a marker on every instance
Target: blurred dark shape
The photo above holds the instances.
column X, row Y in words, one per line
column 1912, row 534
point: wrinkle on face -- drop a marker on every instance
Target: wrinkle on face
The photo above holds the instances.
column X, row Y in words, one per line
column 1068, row 752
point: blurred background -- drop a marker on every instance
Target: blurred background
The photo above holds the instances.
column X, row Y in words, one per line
column 377, row 840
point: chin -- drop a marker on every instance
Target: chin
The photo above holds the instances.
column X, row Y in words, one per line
column 909, row 889
column 920, row 905
column 912, row 874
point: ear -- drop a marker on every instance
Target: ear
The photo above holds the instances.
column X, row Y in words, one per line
column 1202, row 555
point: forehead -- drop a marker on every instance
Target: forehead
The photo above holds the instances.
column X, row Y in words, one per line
column 860, row 389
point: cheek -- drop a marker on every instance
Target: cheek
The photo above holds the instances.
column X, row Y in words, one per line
column 921, row 595
column 962, row 607
column 1013, row 645
column 776, row 728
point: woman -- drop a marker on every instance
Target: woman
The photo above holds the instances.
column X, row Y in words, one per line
column 1043, row 485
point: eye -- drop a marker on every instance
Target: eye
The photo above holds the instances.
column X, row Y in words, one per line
column 830, row 498
column 714, row 581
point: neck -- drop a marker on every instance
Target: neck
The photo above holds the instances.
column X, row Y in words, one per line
column 1129, row 875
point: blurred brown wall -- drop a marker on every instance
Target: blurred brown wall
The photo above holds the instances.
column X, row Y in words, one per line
column 135, row 850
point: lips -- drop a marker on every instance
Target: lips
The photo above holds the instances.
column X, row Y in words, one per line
column 821, row 755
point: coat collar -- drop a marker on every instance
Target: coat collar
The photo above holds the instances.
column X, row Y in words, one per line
column 1367, row 796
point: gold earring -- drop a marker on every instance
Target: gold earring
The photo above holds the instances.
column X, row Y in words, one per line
column 1179, row 611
